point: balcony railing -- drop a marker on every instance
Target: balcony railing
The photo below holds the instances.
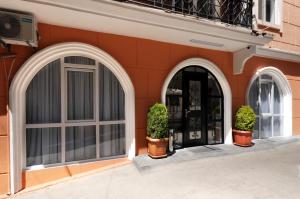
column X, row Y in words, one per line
column 235, row 12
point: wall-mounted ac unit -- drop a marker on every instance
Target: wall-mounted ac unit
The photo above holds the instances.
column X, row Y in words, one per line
column 18, row 28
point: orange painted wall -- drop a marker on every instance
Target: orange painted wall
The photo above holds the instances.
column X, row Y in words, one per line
column 289, row 38
column 147, row 64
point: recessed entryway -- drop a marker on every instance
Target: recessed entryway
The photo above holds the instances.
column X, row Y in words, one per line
column 198, row 98
column 195, row 103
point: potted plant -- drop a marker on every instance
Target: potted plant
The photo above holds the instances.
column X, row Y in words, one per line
column 157, row 131
column 244, row 124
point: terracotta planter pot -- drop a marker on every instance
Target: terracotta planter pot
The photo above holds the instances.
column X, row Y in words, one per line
column 157, row 148
column 242, row 138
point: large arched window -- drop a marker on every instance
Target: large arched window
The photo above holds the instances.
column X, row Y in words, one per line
column 270, row 95
column 265, row 97
column 75, row 111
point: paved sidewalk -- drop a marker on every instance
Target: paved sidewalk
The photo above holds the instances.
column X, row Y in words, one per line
column 144, row 162
column 267, row 170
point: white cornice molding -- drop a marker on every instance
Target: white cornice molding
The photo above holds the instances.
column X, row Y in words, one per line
column 137, row 21
column 240, row 57
column 211, row 67
column 17, row 96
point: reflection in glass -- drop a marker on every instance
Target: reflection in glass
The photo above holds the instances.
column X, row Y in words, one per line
column 255, row 134
column 213, row 88
column 194, row 95
column 265, row 97
column 277, row 125
column 174, row 102
column 43, row 96
column 214, row 132
column 214, row 110
column 43, row 146
column 277, row 100
column 253, row 96
column 266, row 127
column 80, row 95
column 112, row 140
column 80, row 143
column 111, row 96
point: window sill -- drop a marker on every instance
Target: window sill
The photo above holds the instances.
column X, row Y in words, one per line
column 268, row 26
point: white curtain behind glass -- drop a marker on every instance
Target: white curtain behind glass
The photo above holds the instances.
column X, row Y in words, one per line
column 80, row 95
column 112, row 107
column 43, row 105
column 265, row 98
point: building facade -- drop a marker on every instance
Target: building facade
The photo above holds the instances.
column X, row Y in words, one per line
column 79, row 101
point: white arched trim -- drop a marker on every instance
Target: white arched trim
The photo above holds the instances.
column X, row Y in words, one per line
column 222, row 81
column 286, row 92
column 24, row 76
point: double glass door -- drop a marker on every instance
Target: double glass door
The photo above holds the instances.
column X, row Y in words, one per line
column 195, row 103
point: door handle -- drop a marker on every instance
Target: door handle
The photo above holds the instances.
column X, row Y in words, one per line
column 186, row 112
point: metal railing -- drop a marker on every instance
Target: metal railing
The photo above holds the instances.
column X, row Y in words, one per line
column 234, row 12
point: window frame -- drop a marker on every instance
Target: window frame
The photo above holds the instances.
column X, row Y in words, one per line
column 278, row 14
column 64, row 68
column 271, row 113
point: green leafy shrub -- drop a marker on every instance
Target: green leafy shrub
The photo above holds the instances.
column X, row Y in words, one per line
column 157, row 122
column 245, row 119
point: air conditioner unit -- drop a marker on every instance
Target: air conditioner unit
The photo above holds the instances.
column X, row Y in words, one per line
column 18, row 28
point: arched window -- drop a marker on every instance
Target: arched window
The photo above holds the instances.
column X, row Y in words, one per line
column 75, row 111
column 195, row 103
column 266, row 99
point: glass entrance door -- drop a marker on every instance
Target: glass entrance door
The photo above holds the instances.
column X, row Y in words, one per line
column 195, row 103
column 194, row 108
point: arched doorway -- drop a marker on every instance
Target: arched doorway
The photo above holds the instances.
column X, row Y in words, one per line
column 198, row 97
column 56, row 95
column 269, row 94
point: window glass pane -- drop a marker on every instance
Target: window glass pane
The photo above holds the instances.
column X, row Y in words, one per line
column 266, row 127
column 253, row 96
column 266, row 77
column 214, row 108
column 265, row 97
column 277, row 100
column 270, row 11
column 43, row 146
column 194, row 95
column 79, row 60
column 80, row 143
column 174, row 105
column 43, row 96
column 112, row 140
column 111, row 96
column 80, row 95
column 260, row 8
column 195, row 69
column 277, row 125
column 256, row 129
column 214, row 132
column 213, row 86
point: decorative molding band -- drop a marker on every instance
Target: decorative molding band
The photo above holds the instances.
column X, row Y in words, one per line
column 240, row 57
